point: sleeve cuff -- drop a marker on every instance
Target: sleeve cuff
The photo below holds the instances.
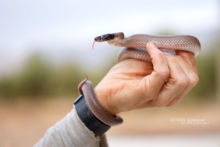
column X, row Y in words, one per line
column 88, row 118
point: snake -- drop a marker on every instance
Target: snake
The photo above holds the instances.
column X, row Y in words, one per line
column 135, row 49
column 136, row 44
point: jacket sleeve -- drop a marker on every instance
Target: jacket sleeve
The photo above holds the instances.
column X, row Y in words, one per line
column 69, row 132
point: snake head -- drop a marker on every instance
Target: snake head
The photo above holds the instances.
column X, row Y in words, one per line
column 105, row 37
column 108, row 37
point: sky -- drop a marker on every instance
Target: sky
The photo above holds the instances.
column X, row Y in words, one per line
column 64, row 29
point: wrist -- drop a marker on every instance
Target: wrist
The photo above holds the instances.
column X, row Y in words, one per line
column 88, row 118
column 92, row 112
column 104, row 99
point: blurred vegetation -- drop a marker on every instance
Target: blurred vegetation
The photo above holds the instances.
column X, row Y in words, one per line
column 39, row 78
column 208, row 66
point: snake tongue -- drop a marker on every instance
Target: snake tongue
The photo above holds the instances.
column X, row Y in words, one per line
column 93, row 44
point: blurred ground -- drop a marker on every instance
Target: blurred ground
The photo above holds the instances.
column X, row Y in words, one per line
column 23, row 123
column 196, row 140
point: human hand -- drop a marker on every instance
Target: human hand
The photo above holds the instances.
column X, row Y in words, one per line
column 133, row 84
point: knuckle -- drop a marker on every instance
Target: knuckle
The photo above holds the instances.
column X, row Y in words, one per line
column 182, row 81
column 194, row 79
column 163, row 72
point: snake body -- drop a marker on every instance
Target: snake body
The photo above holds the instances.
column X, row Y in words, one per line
column 135, row 49
column 136, row 44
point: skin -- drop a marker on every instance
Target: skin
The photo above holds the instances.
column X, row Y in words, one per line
column 133, row 84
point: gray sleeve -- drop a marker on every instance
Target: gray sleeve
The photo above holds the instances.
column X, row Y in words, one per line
column 69, row 132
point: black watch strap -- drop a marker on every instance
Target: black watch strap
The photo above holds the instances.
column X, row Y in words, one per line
column 88, row 118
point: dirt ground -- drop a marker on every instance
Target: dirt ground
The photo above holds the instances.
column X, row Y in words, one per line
column 23, row 123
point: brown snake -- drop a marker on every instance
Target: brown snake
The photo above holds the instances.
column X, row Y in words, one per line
column 135, row 49
column 136, row 44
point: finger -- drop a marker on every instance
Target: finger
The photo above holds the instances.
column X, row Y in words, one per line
column 175, row 86
column 192, row 75
column 160, row 73
column 189, row 58
column 158, row 59
column 190, row 70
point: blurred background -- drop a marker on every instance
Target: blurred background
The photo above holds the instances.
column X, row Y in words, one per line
column 45, row 51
